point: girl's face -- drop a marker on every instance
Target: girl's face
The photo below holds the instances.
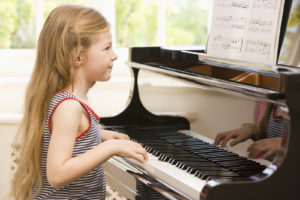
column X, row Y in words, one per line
column 98, row 59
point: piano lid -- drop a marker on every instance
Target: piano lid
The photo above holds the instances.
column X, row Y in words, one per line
column 225, row 77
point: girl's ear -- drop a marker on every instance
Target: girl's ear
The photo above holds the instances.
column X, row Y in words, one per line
column 78, row 61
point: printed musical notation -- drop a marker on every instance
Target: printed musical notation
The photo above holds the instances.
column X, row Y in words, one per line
column 260, row 25
column 231, row 44
column 266, row 4
column 246, row 30
column 233, row 3
column 231, row 22
column 258, row 47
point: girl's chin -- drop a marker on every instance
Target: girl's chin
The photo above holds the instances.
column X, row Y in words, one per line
column 107, row 78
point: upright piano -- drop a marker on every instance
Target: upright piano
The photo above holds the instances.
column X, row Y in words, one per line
column 183, row 163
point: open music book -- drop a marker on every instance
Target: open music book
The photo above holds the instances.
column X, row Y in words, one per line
column 246, row 30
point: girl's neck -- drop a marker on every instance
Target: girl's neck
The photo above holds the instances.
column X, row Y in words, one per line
column 81, row 84
column 78, row 92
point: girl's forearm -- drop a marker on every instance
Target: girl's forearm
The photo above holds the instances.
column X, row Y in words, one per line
column 79, row 166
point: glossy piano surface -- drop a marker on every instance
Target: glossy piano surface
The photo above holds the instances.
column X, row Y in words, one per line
column 163, row 138
column 224, row 95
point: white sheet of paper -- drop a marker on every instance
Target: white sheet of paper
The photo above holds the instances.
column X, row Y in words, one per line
column 246, row 30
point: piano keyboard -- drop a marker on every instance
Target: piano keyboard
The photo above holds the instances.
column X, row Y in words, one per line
column 195, row 156
column 186, row 163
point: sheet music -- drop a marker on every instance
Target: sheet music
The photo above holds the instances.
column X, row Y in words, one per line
column 246, row 30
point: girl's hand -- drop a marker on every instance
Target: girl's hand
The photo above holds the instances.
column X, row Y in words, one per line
column 238, row 135
column 111, row 135
column 264, row 148
column 129, row 149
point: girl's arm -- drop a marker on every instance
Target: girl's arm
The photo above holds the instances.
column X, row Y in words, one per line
column 67, row 120
column 109, row 135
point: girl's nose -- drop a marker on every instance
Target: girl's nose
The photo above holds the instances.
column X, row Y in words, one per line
column 114, row 56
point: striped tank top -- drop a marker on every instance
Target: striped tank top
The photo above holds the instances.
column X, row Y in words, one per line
column 90, row 186
column 275, row 124
column 275, row 127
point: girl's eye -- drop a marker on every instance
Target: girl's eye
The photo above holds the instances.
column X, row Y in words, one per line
column 107, row 48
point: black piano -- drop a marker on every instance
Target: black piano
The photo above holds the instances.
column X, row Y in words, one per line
column 184, row 164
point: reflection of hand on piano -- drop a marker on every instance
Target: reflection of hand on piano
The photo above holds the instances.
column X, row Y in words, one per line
column 264, row 148
column 238, row 135
column 260, row 149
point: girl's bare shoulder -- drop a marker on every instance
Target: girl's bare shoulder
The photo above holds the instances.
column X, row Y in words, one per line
column 70, row 108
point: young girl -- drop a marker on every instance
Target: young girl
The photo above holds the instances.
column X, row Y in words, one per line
column 61, row 145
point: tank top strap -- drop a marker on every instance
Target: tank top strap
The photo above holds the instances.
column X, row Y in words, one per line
column 62, row 96
column 65, row 94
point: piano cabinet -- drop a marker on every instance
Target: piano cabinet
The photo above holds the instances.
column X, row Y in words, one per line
column 162, row 135
column 224, row 94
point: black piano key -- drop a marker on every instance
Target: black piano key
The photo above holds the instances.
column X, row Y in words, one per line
column 209, row 151
column 198, row 164
column 164, row 147
column 186, row 142
column 161, row 134
column 247, row 168
column 177, row 140
column 221, row 174
column 219, row 155
column 195, row 146
column 211, row 168
column 191, row 159
column 175, row 137
column 226, row 159
column 232, row 164
column 212, row 152
column 250, row 172
column 183, row 144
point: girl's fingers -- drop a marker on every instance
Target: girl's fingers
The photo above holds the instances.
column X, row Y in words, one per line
column 260, row 155
column 124, row 136
column 253, row 146
column 226, row 139
column 138, row 157
column 121, row 136
column 257, row 151
column 266, row 154
column 234, row 142
column 141, row 155
column 218, row 139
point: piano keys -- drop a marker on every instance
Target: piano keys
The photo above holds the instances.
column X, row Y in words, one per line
column 193, row 172
column 196, row 157
column 184, row 164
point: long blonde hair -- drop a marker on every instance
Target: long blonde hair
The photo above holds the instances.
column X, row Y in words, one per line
column 68, row 30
